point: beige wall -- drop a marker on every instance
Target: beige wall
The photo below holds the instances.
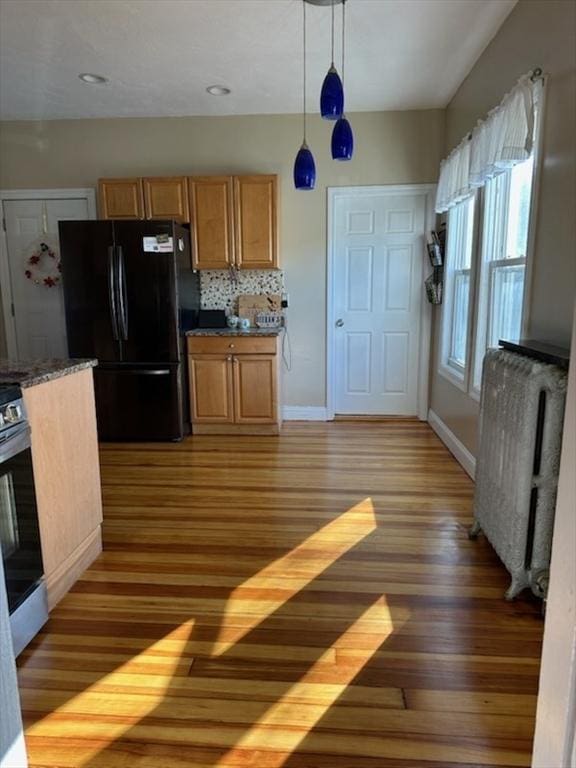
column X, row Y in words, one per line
column 391, row 148
column 536, row 33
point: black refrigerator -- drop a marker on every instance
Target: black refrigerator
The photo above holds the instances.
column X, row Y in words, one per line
column 129, row 294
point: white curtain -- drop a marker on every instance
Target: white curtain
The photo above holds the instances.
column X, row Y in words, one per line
column 497, row 143
column 454, row 182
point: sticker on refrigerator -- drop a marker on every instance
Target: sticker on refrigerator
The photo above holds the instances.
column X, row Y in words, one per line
column 158, row 244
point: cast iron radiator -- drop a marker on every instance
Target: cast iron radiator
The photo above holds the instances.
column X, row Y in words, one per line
column 521, row 416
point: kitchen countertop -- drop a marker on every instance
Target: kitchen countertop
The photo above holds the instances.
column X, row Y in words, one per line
column 234, row 332
column 28, row 373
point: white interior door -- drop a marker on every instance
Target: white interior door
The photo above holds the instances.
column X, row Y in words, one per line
column 378, row 253
column 38, row 310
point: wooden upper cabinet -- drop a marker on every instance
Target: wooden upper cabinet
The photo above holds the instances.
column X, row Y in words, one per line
column 166, row 198
column 211, row 219
column 120, row 199
column 233, row 219
column 255, row 203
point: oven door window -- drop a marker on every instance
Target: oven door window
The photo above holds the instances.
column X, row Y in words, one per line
column 19, row 534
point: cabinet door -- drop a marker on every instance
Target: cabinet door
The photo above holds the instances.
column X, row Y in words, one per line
column 211, row 389
column 211, row 221
column 120, row 199
column 256, row 221
column 166, row 198
column 255, row 385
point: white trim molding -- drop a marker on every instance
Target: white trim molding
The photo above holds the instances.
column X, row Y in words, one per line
column 304, row 413
column 555, row 734
column 426, row 314
column 454, row 445
column 87, row 194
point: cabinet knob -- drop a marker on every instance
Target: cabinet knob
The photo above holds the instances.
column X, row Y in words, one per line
column 229, row 358
column 231, row 346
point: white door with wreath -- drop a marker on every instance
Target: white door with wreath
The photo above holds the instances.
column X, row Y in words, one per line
column 35, row 279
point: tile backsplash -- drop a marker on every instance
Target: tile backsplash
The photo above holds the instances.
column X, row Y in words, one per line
column 220, row 291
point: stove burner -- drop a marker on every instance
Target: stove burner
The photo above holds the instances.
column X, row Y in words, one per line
column 12, row 413
column 8, row 393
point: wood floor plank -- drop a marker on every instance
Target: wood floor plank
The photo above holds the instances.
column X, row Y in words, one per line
column 303, row 601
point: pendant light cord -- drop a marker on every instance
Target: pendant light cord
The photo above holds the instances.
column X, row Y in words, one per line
column 343, row 35
column 332, row 49
column 304, row 58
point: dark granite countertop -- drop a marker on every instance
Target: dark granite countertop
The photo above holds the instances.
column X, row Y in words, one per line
column 539, row 350
column 27, row 373
column 234, row 332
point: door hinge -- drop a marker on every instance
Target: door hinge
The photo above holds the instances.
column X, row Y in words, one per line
column 12, row 310
column 4, row 224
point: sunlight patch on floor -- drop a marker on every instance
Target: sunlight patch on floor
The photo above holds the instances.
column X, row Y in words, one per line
column 319, row 551
column 283, row 710
column 297, row 569
column 149, row 704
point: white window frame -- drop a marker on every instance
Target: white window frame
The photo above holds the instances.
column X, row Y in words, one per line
column 448, row 367
column 484, row 277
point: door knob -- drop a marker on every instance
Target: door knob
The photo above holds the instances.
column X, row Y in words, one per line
column 339, row 323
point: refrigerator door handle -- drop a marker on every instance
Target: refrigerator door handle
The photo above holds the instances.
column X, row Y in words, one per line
column 146, row 371
column 122, row 298
column 112, row 293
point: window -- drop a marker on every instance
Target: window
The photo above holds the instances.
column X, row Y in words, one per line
column 505, row 219
column 458, row 292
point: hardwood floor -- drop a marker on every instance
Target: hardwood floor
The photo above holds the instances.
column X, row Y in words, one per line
column 304, row 601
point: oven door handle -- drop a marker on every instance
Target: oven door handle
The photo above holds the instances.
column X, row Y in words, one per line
column 14, row 444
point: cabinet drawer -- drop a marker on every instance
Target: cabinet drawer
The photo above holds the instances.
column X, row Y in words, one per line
column 232, row 345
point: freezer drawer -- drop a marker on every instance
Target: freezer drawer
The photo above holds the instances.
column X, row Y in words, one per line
column 139, row 403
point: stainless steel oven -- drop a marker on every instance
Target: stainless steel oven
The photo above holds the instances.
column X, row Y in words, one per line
column 19, row 531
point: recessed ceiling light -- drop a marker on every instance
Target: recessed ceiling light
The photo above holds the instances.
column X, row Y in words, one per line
column 89, row 77
column 218, row 90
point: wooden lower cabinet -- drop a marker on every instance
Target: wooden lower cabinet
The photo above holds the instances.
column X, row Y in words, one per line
column 255, row 398
column 211, row 384
column 234, row 385
column 66, row 464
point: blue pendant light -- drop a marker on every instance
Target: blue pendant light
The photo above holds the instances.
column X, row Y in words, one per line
column 342, row 144
column 304, row 166
column 342, row 140
column 332, row 93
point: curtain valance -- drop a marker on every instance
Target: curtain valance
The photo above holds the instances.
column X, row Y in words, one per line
column 497, row 143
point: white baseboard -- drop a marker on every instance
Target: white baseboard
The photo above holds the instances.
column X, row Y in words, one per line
column 454, row 445
column 304, row 413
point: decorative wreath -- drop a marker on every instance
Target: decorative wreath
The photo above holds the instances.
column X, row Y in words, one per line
column 43, row 267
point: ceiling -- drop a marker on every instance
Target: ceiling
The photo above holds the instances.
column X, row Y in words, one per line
column 161, row 56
